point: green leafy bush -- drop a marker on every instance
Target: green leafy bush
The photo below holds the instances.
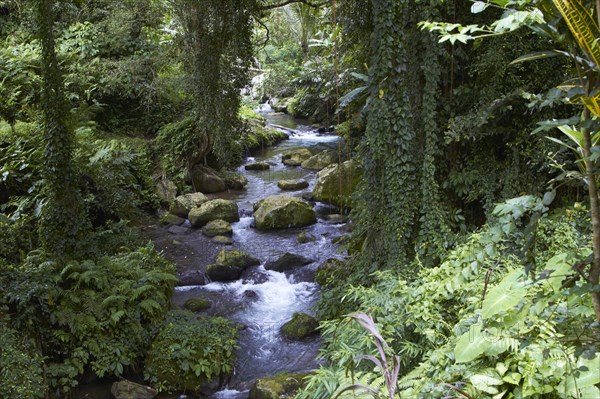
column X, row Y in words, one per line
column 96, row 314
column 505, row 315
column 21, row 367
column 190, row 350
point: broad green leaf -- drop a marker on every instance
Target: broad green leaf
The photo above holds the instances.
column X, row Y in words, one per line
column 486, row 383
column 503, row 296
column 470, row 345
column 479, row 6
column 536, row 56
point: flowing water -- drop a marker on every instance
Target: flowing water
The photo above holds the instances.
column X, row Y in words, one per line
column 262, row 300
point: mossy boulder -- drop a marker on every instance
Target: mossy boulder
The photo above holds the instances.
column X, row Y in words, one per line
column 229, row 265
column 280, row 104
column 336, row 183
column 257, row 166
column 165, row 188
column 130, row 390
column 236, row 258
column 218, row 272
column 223, row 240
column 283, row 211
column 235, row 181
column 319, row 161
column 197, row 304
column 209, row 344
column 292, row 185
column 206, row 180
column 170, row 219
column 300, row 327
column 218, row 209
column 295, row 156
column 278, row 387
column 305, row 237
column 182, row 205
column 287, row 262
column 217, row 228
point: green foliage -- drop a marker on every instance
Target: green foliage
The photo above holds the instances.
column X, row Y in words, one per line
column 21, row 367
column 479, row 318
column 190, row 350
column 93, row 313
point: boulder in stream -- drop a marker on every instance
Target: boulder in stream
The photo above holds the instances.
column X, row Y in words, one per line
column 257, row 166
column 287, row 262
column 305, row 237
column 197, row 304
column 278, row 387
column 182, row 205
column 336, row 183
column 218, row 209
column 283, row 211
column 229, row 265
column 300, row 327
column 235, row 181
column 130, row 390
column 217, row 227
column 292, row 185
column 295, row 156
column 319, row 161
column 206, row 180
column 223, row 240
column 170, row 219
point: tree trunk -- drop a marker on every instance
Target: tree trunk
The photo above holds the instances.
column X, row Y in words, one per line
column 594, row 274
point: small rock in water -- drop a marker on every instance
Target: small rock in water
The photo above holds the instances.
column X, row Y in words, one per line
column 287, row 261
column 257, row 166
column 197, row 304
column 224, row 240
column 292, row 185
column 301, row 326
column 170, row 219
column 193, row 277
column 217, row 228
column 308, row 196
column 335, row 218
column 305, row 237
column 130, row 390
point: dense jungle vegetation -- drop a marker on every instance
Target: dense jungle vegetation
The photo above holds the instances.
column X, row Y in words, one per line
column 473, row 265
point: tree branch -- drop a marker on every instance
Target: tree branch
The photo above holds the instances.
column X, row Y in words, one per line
column 286, row 2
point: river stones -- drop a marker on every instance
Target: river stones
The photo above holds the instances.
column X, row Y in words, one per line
column 336, row 183
column 197, row 304
column 192, row 277
column 305, row 237
column 287, row 262
column 319, row 161
column 182, row 205
column 170, row 219
column 217, row 228
column 229, row 265
column 206, row 180
column 279, row 386
column 235, row 181
column 218, row 209
column 295, row 156
column 292, row 185
column 223, row 240
column 301, row 326
column 283, row 211
column 130, row 390
column 257, row 166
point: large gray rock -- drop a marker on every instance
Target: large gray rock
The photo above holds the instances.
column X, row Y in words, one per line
column 279, row 104
column 292, row 185
column 287, row 262
column 229, row 265
column 182, row 205
column 130, row 390
column 336, row 183
column 283, row 211
column 295, row 156
column 217, row 228
column 319, row 161
column 206, row 180
column 214, row 210
column 165, row 188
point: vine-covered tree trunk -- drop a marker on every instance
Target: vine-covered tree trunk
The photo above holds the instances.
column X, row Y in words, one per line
column 62, row 213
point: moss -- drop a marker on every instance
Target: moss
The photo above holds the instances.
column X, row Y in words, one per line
column 171, row 219
column 217, row 228
column 256, row 135
column 197, row 304
column 236, row 258
column 278, row 387
column 301, row 326
column 190, row 350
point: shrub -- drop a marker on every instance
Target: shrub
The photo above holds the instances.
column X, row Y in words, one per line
column 21, row 367
column 190, row 350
